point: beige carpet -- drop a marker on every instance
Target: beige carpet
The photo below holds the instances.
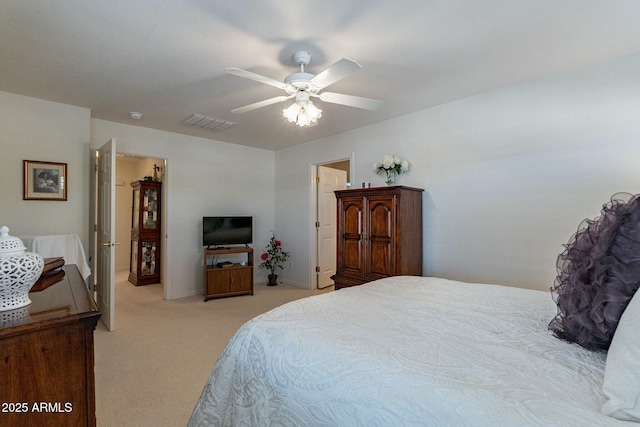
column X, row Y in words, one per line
column 151, row 369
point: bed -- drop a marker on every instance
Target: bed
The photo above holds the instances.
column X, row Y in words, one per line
column 407, row 351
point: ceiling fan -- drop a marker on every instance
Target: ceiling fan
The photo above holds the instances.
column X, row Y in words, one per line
column 302, row 86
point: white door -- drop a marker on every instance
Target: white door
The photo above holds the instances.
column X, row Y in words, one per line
column 329, row 180
column 105, row 265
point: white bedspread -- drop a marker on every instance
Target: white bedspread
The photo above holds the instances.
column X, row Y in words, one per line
column 406, row 351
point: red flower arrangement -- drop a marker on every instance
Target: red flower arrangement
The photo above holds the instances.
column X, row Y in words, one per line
column 273, row 256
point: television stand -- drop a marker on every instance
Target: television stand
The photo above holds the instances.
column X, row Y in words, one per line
column 228, row 280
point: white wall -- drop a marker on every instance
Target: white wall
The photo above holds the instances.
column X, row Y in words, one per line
column 203, row 177
column 508, row 174
column 206, row 178
column 33, row 129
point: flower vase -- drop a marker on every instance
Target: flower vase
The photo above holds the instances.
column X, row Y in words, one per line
column 391, row 174
column 273, row 280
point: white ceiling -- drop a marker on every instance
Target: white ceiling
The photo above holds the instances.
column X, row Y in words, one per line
column 166, row 59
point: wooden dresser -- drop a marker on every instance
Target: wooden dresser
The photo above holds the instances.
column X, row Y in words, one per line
column 46, row 357
column 379, row 234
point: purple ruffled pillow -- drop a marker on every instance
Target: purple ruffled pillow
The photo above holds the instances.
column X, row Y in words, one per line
column 598, row 274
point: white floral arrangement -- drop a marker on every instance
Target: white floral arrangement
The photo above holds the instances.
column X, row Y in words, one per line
column 390, row 165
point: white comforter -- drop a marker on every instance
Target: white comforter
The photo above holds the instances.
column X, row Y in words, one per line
column 406, row 351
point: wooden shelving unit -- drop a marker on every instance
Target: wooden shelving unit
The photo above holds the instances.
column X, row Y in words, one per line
column 144, row 266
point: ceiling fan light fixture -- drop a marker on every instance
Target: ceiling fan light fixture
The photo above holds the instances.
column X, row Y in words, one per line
column 302, row 113
column 313, row 112
column 303, row 85
column 291, row 112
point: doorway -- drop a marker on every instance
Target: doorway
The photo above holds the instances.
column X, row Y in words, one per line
column 132, row 168
column 329, row 177
column 106, row 182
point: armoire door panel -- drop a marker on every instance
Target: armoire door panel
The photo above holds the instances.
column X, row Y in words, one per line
column 352, row 218
column 352, row 263
column 381, row 262
column 350, row 237
column 381, row 218
column 381, row 238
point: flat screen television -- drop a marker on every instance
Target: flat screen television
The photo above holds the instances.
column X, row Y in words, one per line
column 227, row 230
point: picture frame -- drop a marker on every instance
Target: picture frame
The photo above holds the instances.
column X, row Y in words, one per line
column 44, row 180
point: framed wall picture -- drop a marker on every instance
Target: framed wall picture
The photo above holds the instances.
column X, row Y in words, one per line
column 44, row 180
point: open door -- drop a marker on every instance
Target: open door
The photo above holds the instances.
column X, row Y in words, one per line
column 329, row 180
column 105, row 265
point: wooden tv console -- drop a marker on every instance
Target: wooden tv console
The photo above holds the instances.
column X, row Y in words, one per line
column 228, row 279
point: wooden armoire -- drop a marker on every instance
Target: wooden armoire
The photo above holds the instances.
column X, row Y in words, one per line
column 379, row 234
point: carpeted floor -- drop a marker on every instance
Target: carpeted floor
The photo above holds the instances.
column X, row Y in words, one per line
column 151, row 369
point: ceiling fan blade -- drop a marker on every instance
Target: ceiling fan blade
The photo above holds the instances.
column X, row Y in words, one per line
column 261, row 104
column 350, row 100
column 337, row 71
column 257, row 77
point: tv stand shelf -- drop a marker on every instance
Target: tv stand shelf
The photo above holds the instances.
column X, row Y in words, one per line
column 227, row 280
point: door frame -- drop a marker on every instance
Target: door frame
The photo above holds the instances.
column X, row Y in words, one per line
column 164, row 265
column 330, row 178
column 165, row 268
column 313, row 212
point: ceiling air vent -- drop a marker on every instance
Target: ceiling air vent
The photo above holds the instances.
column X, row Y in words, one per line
column 209, row 123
